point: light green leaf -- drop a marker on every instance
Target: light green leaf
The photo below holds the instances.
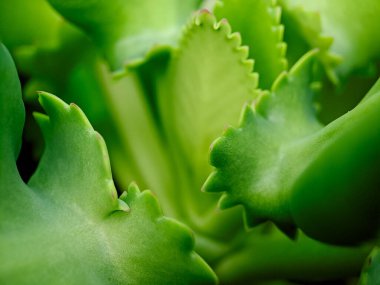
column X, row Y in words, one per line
column 282, row 165
column 140, row 144
column 210, row 78
column 258, row 22
column 116, row 105
column 352, row 30
column 126, row 31
column 67, row 225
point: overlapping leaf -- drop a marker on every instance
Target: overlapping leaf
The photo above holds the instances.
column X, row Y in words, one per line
column 67, row 226
column 283, row 166
column 258, row 22
column 265, row 248
column 126, row 31
column 341, row 28
column 209, row 79
column 248, row 158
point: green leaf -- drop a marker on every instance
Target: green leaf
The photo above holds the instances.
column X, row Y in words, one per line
column 12, row 116
column 304, row 260
column 49, row 65
column 116, row 105
column 67, row 226
column 352, row 30
column 141, row 147
column 258, row 22
column 248, row 159
column 18, row 25
column 304, row 32
column 126, row 31
column 282, row 165
column 210, row 78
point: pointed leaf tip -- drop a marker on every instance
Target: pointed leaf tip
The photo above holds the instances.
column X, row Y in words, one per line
column 220, row 152
column 248, row 115
column 305, row 62
column 131, row 194
column 51, row 104
column 226, row 201
column 123, row 206
column 224, row 26
column 214, row 183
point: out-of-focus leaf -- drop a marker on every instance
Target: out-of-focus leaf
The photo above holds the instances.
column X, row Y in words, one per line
column 340, row 27
column 126, row 31
column 304, row 260
column 20, row 25
column 371, row 270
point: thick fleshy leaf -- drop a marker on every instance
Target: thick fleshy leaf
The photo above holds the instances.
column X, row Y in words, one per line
column 12, row 115
column 210, row 79
column 266, row 254
column 67, row 226
column 258, row 22
column 345, row 28
column 126, row 31
column 248, row 159
column 282, row 165
column 117, row 105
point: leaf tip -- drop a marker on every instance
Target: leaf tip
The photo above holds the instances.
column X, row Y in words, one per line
column 213, row 183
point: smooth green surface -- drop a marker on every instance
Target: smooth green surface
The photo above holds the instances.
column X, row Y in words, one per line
column 126, row 31
column 20, row 25
column 67, row 225
column 266, row 254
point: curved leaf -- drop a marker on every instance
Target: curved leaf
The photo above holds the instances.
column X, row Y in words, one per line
column 282, row 165
column 258, row 22
column 264, row 250
column 126, row 31
column 67, row 226
column 345, row 28
column 248, row 159
column 209, row 79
